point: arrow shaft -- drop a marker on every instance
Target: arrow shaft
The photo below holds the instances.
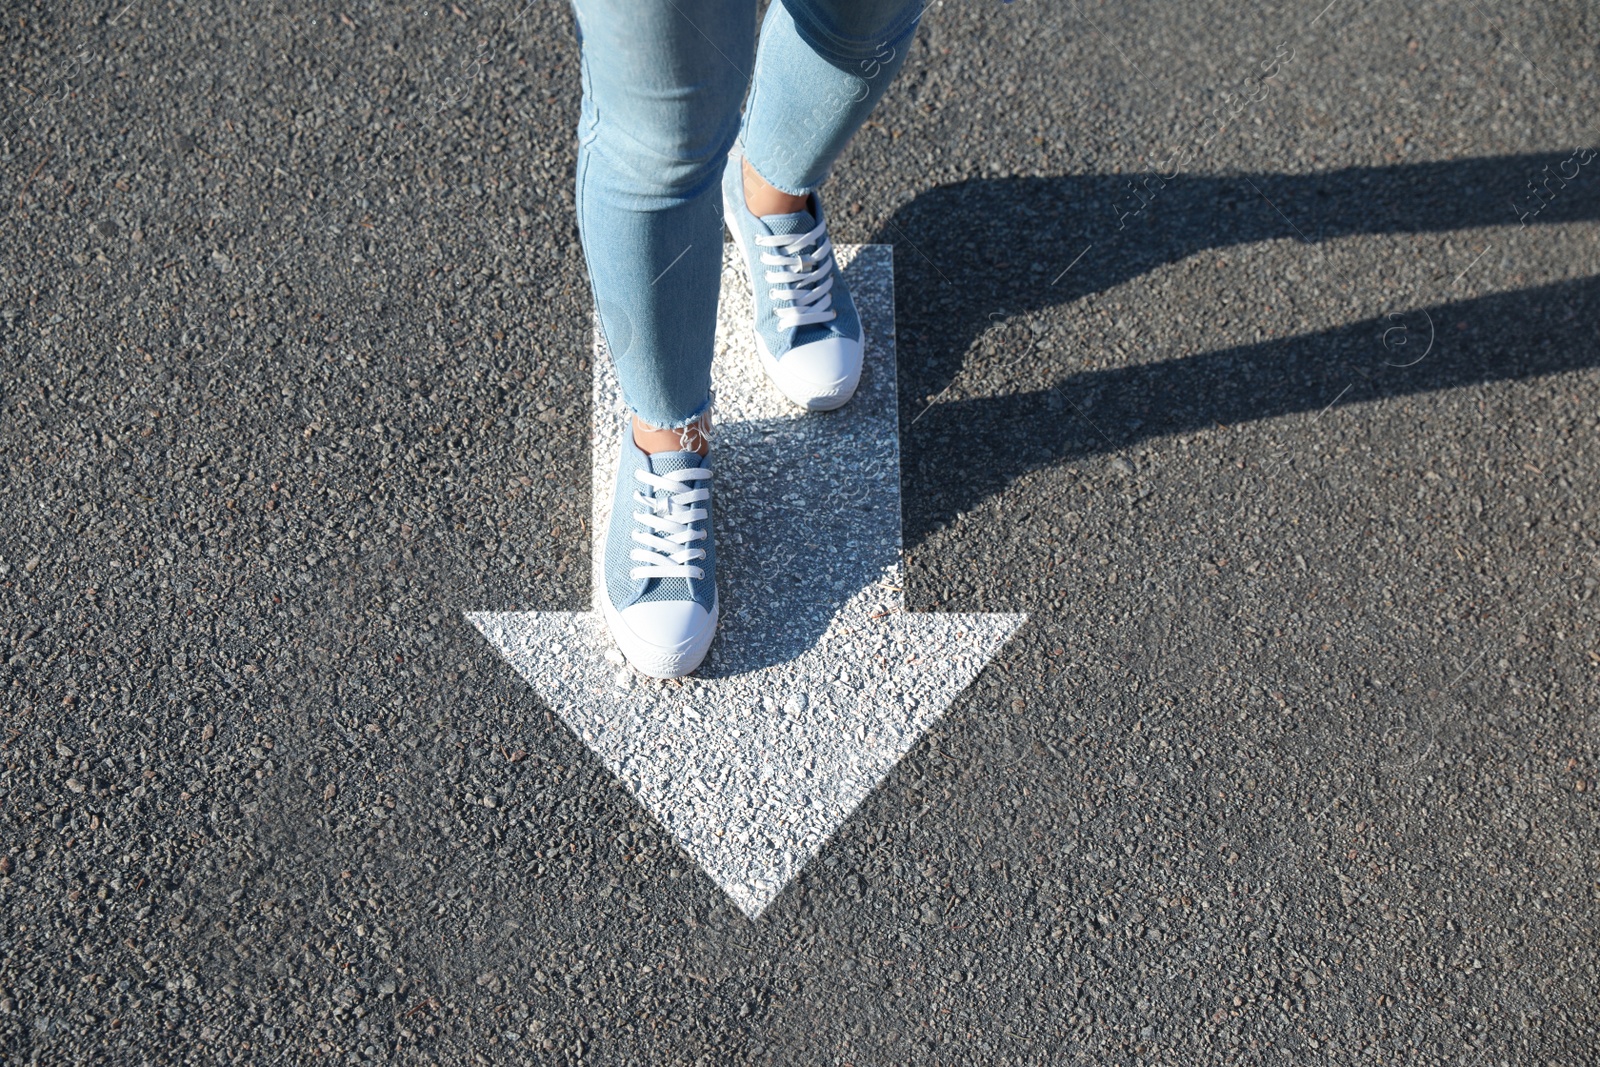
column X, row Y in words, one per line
column 806, row 506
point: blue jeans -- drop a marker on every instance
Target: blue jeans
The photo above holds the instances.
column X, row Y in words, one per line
column 662, row 85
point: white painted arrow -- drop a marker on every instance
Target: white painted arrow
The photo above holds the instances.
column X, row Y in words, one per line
column 819, row 681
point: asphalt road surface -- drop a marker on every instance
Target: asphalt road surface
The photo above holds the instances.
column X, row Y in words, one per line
column 1250, row 349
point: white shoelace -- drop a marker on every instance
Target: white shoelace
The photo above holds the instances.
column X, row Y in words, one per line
column 669, row 551
column 808, row 277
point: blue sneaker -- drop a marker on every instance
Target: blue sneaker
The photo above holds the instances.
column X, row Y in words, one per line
column 660, row 598
column 806, row 327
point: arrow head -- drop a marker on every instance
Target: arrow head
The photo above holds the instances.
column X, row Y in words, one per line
column 753, row 772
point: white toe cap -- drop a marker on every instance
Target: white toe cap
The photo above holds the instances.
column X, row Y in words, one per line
column 820, row 375
column 663, row 638
column 667, row 625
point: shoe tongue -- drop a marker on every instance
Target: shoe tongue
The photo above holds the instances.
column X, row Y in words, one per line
column 786, row 225
column 668, row 462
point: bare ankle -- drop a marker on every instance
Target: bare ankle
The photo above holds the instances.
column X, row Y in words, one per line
column 695, row 437
column 763, row 200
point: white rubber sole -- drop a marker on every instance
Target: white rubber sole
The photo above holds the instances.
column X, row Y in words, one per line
column 813, row 396
column 652, row 659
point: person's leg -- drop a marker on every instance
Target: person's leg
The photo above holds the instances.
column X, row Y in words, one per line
column 662, row 83
column 821, row 68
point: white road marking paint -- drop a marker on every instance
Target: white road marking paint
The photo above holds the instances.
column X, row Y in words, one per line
column 819, row 681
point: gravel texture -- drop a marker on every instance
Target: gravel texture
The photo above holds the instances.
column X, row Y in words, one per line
column 1296, row 759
